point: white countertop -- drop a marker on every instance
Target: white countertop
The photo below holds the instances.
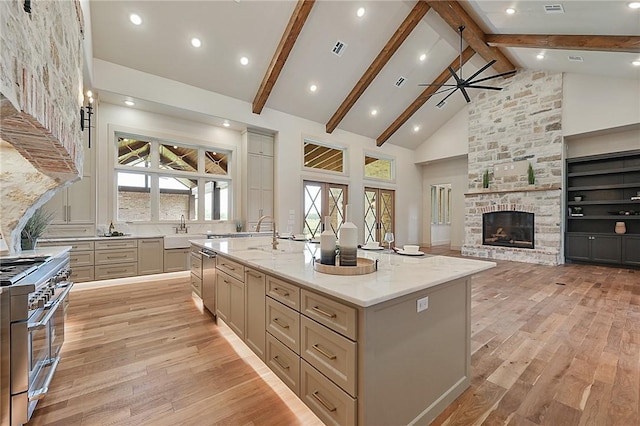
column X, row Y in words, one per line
column 96, row 238
column 396, row 276
column 41, row 251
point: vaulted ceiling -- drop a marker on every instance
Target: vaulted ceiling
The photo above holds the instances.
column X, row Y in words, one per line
column 289, row 48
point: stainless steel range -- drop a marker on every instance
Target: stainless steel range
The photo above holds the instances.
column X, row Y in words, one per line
column 34, row 299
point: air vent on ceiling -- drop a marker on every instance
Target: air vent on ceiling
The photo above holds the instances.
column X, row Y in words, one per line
column 553, row 8
column 441, row 104
column 400, row 82
column 575, row 58
column 338, row 48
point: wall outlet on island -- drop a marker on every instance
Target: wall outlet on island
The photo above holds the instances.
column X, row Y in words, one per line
column 423, row 304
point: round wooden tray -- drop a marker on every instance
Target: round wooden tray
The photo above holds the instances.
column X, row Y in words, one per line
column 364, row 266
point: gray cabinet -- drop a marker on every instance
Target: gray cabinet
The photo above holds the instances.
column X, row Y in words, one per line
column 631, row 250
column 597, row 248
column 255, row 308
column 259, row 179
column 230, row 303
column 150, row 256
column 176, row 260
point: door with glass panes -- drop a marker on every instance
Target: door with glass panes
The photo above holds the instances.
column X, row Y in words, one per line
column 323, row 199
column 379, row 213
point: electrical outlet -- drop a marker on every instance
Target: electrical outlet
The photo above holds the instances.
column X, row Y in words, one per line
column 423, row 304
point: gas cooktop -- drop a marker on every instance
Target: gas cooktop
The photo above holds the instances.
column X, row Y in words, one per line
column 13, row 269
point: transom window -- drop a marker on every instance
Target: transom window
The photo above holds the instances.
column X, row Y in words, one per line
column 377, row 167
column 324, row 157
column 161, row 180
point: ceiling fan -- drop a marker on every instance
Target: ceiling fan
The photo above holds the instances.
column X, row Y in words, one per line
column 468, row 83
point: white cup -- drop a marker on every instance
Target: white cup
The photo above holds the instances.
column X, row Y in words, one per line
column 410, row 248
column 372, row 245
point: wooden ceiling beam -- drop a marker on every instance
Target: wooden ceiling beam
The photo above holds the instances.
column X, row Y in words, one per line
column 444, row 76
column 605, row 43
column 410, row 22
column 454, row 15
column 288, row 40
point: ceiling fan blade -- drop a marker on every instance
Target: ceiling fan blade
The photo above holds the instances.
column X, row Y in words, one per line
column 466, row 95
column 447, row 97
column 453, row 73
column 493, row 76
column 483, row 87
column 481, row 69
column 440, row 91
column 439, row 85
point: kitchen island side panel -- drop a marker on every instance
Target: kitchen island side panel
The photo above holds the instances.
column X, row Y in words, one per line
column 414, row 364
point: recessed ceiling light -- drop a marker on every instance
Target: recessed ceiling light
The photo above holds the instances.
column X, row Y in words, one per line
column 195, row 42
column 416, row 128
column 360, row 12
column 634, row 5
column 135, row 19
column 226, row 123
column 422, row 57
column 244, row 60
column 313, row 87
column 636, row 63
column 374, row 112
column 129, row 103
column 540, row 56
column 510, row 11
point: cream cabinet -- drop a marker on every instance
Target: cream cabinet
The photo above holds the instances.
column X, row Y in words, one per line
column 231, row 294
column 150, row 256
column 81, row 258
column 116, row 258
column 196, row 270
column 176, row 260
column 255, row 311
column 259, row 181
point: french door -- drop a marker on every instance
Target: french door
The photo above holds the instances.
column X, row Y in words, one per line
column 323, row 199
column 379, row 213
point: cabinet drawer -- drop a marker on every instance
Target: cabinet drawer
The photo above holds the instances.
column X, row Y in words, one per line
column 196, row 285
column 196, row 265
column 80, row 258
column 335, row 315
column 75, row 245
column 284, row 324
column 116, row 244
column 284, row 362
column 234, row 269
column 330, row 403
column 106, row 272
column 82, row 274
column 284, row 292
column 330, row 353
column 104, row 257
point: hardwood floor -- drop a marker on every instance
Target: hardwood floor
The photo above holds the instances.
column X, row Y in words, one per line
column 550, row 346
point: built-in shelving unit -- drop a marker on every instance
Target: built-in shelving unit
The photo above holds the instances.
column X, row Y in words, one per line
column 607, row 183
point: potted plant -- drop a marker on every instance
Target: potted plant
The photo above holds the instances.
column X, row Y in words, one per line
column 530, row 176
column 485, row 179
column 34, row 228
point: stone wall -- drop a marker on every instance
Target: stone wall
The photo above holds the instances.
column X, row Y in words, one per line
column 40, row 97
column 523, row 122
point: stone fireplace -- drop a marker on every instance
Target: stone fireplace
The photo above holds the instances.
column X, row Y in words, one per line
column 508, row 130
column 508, row 229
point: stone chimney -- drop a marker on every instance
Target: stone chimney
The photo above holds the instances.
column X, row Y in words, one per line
column 41, row 72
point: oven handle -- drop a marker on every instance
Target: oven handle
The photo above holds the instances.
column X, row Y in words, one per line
column 52, row 310
column 40, row 393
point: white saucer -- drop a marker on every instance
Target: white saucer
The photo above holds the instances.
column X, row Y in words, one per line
column 372, row 248
column 299, row 239
column 404, row 253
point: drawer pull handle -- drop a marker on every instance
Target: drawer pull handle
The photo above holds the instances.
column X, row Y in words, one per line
column 225, row 281
column 122, row 256
column 280, row 363
column 229, row 266
column 278, row 322
column 321, row 400
column 254, row 274
column 281, row 292
column 116, row 271
column 323, row 312
column 323, row 352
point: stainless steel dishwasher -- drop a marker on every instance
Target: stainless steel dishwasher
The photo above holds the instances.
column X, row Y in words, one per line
column 209, row 279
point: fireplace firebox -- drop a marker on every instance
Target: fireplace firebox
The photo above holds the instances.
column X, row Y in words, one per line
column 508, row 229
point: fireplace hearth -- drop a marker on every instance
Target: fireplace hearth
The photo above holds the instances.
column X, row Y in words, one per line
column 508, row 229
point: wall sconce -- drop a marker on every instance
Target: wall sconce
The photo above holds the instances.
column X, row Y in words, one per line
column 85, row 115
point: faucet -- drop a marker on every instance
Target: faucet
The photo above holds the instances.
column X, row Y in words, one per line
column 274, row 243
column 183, row 225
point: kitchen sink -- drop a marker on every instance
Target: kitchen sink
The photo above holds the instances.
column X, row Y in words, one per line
column 181, row 240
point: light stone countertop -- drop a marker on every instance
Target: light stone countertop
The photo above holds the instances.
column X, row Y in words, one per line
column 396, row 276
column 96, row 238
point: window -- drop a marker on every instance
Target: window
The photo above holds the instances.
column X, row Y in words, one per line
column 323, row 199
column 379, row 206
column 376, row 167
column 324, row 157
column 441, row 204
column 160, row 180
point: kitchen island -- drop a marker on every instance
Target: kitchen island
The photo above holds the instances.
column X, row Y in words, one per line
column 391, row 347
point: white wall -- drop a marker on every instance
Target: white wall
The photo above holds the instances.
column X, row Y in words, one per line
column 290, row 131
column 593, row 103
column 614, row 140
column 451, row 140
column 453, row 171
